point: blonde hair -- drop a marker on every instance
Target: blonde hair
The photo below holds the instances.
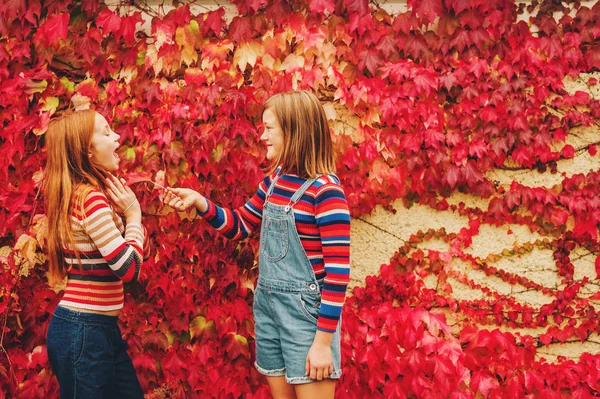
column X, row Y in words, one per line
column 69, row 173
column 307, row 145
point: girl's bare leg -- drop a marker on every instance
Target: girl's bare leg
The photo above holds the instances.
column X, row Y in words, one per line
column 316, row 390
column 280, row 389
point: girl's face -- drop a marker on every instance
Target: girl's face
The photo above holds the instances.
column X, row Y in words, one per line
column 104, row 145
column 272, row 135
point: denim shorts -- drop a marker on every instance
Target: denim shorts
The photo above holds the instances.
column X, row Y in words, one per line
column 285, row 315
column 89, row 357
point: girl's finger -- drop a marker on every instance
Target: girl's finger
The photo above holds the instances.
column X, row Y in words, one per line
column 176, row 191
column 110, row 185
column 118, row 185
column 128, row 190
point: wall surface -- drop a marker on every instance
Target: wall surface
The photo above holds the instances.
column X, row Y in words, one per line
column 375, row 238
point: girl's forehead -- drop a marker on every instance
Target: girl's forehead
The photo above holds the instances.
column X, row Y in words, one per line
column 268, row 116
column 100, row 120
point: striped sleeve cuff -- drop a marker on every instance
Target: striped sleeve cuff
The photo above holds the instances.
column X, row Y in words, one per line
column 134, row 233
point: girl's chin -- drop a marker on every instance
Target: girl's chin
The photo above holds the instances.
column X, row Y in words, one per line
column 271, row 156
column 111, row 168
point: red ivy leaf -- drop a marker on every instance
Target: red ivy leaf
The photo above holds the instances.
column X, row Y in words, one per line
column 136, row 177
column 13, row 8
column 89, row 45
column 320, row 6
column 369, row 59
column 427, row 10
column 109, row 22
column 55, row 27
column 458, row 5
column 214, row 21
column 128, row 26
column 240, row 29
column 359, row 7
column 568, row 151
column 592, row 56
column 483, row 381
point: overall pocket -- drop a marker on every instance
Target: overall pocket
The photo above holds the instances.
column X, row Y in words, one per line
column 310, row 304
column 274, row 239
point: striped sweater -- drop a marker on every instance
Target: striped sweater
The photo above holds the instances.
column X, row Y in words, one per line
column 107, row 258
column 323, row 224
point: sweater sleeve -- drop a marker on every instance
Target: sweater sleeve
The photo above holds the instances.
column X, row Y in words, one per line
column 333, row 221
column 124, row 255
column 238, row 223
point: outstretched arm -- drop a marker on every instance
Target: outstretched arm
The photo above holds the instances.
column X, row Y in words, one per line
column 233, row 223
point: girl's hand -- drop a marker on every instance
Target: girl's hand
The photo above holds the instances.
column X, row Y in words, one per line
column 319, row 362
column 122, row 197
column 181, row 199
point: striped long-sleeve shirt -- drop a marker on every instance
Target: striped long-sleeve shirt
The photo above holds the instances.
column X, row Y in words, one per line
column 323, row 224
column 108, row 259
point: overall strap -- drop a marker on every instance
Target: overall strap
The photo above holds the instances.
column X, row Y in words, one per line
column 271, row 187
column 300, row 192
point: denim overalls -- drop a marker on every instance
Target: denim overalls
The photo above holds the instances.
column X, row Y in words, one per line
column 288, row 296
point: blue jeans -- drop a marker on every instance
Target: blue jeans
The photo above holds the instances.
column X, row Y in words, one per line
column 89, row 357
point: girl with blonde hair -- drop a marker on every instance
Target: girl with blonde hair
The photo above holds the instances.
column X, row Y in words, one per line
column 304, row 248
column 84, row 205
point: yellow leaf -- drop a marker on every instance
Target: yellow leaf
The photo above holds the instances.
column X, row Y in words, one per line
column 194, row 27
column 217, row 51
column 50, row 104
column 152, row 59
column 326, row 54
column 292, row 62
column 25, row 248
column 130, row 154
column 141, row 58
column 67, row 84
column 241, row 339
column 197, row 326
column 189, row 55
column 217, row 153
column 161, row 37
column 246, row 54
column 127, row 73
column 33, row 86
column 330, row 111
column 271, row 63
column 5, row 251
column 371, row 117
column 40, row 229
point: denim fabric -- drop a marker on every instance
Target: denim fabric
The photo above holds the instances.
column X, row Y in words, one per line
column 89, row 357
column 287, row 297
